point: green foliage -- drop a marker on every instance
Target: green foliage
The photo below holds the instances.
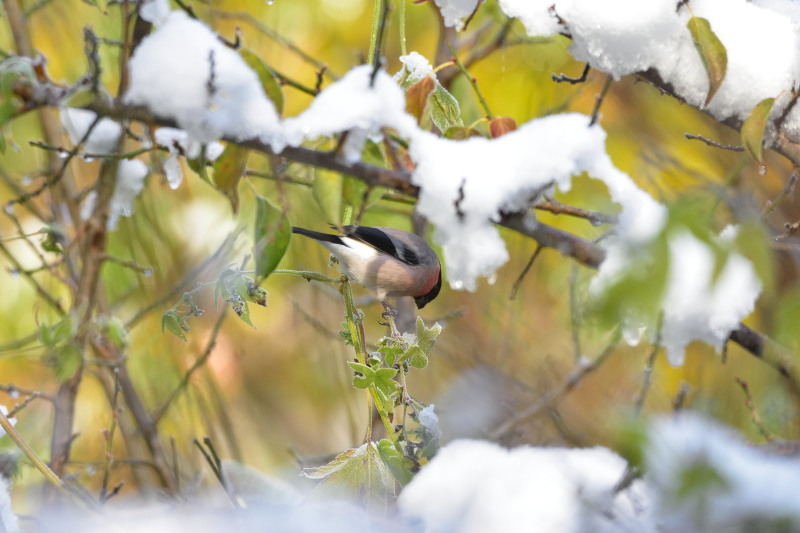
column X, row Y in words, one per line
column 712, row 53
column 67, row 361
column 327, row 192
column 271, row 86
column 172, row 323
column 228, row 170
column 753, row 129
column 428, row 101
column 401, row 467
column 445, row 112
column 418, row 350
column 699, row 478
column 273, row 231
column 358, row 475
column 631, row 441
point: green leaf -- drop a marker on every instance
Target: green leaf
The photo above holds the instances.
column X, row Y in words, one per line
column 460, row 133
column 228, row 170
column 327, row 191
column 265, row 75
column 400, row 466
column 390, row 353
column 359, row 194
column 712, row 53
column 171, row 321
column 273, row 232
column 753, row 128
column 445, row 112
column 700, row 478
column 68, row 361
column 366, row 378
column 358, row 475
column 752, row 241
column 384, row 381
column 117, row 332
column 417, row 354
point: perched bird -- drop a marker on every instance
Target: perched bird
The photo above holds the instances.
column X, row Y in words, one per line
column 389, row 261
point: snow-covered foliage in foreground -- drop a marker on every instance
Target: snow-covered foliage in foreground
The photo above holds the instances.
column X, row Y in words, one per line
column 698, row 477
column 182, row 71
column 627, row 36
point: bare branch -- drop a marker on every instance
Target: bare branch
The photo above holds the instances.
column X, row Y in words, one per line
column 714, row 144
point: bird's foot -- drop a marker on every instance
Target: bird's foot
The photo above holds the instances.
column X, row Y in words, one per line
column 389, row 314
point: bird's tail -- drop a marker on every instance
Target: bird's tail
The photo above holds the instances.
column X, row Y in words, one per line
column 316, row 235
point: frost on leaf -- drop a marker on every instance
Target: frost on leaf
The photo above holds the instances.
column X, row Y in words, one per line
column 357, row 475
column 417, row 353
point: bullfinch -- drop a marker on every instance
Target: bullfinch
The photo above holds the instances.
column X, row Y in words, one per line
column 389, row 261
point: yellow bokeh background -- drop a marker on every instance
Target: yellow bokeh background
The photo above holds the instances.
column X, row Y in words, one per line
column 281, row 392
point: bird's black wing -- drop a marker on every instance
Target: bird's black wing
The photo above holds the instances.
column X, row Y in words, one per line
column 380, row 240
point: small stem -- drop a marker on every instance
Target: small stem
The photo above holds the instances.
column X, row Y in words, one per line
column 373, row 40
column 42, row 467
column 787, row 190
column 472, row 82
column 599, row 100
column 358, row 342
column 308, row 275
column 751, row 406
column 403, row 27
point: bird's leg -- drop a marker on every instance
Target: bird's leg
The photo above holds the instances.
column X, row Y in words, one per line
column 389, row 313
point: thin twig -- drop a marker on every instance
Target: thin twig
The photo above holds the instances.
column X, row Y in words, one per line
column 648, row 372
column 680, row 398
column 574, row 312
column 518, row 282
column 599, row 100
column 555, row 395
column 785, row 192
column 109, row 437
column 158, row 414
column 751, row 406
column 472, row 81
column 573, row 81
column 596, row 218
column 221, row 251
column 714, row 143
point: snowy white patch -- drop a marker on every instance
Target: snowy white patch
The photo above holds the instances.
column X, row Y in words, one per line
column 736, row 487
column 505, row 174
column 415, row 69
column 475, row 486
column 104, row 137
column 535, row 15
column 697, row 309
column 455, row 11
column 351, row 104
column 8, row 520
column 182, row 71
column 626, row 36
column 178, row 142
column 13, row 421
column 429, row 420
column 695, row 306
column 130, row 182
column 155, row 11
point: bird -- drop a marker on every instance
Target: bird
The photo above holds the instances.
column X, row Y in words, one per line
column 389, row 261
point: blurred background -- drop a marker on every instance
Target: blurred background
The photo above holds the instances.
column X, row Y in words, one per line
column 279, row 395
